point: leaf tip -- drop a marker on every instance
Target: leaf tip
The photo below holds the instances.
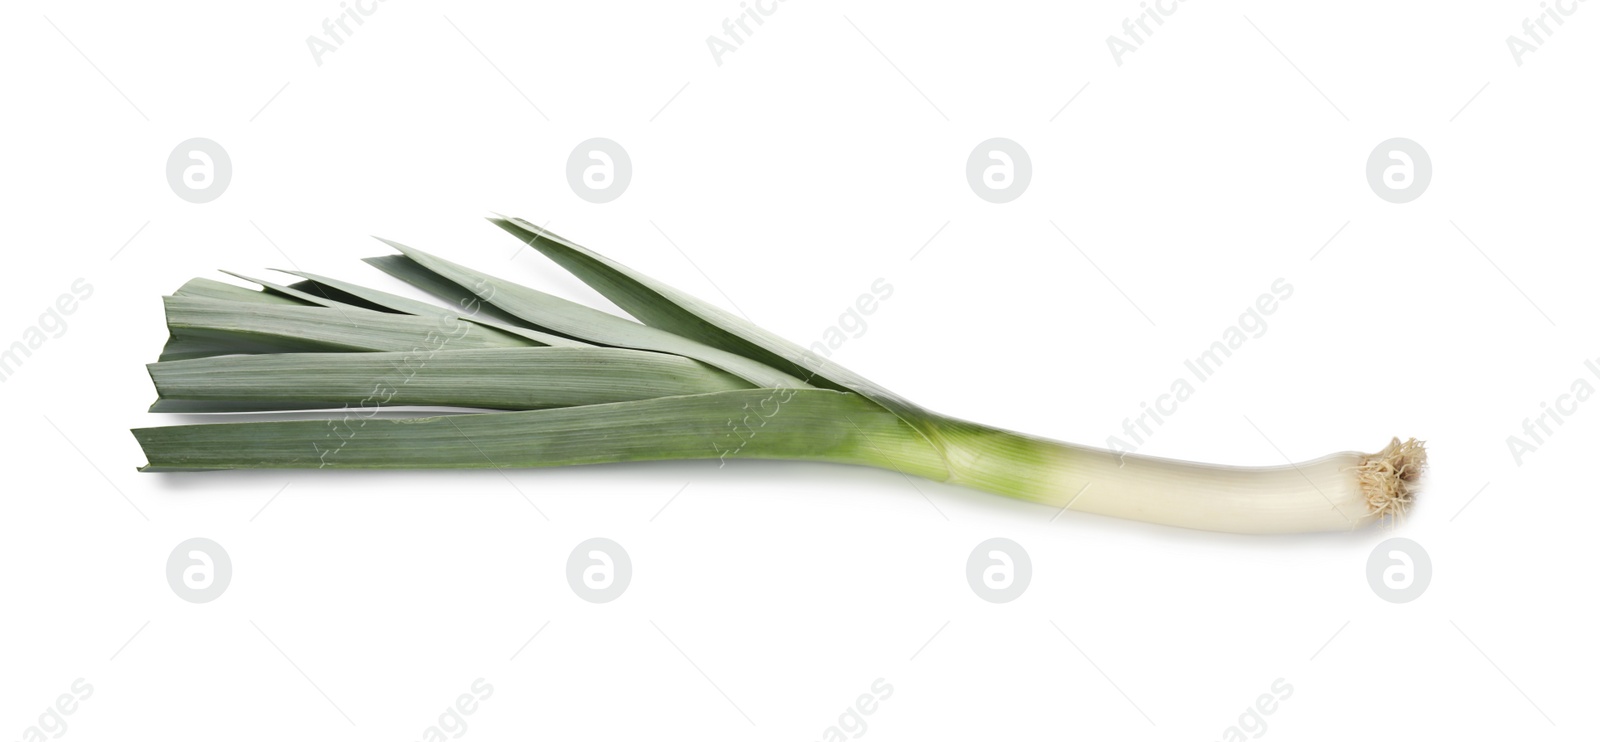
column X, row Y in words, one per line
column 391, row 243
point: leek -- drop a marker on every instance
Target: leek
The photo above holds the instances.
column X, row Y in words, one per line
column 543, row 381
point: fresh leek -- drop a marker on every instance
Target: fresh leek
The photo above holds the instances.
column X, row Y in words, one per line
column 543, row 381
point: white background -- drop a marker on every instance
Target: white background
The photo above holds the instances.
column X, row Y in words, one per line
column 825, row 153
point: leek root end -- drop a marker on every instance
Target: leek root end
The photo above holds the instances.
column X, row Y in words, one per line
column 1390, row 478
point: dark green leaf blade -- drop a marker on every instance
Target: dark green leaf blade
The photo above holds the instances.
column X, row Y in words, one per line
column 274, row 328
column 803, row 424
column 502, row 378
column 554, row 314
